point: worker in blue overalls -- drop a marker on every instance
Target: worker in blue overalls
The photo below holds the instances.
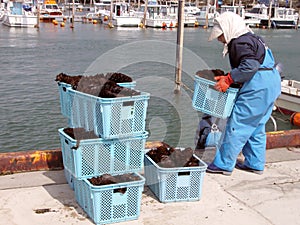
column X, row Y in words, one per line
column 253, row 67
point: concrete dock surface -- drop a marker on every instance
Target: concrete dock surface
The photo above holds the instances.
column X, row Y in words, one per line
column 45, row 198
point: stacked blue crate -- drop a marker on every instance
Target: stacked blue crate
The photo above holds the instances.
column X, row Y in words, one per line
column 120, row 125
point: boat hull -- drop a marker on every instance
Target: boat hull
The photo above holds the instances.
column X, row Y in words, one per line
column 288, row 104
column 289, row 100
column 20, row 20
column 279, row 24
column 122, row 21
column 160, row 23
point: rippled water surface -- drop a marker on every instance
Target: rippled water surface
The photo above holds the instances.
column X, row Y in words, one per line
column 30, row 60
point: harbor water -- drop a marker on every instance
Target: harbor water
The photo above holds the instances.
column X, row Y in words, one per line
column 30, row 60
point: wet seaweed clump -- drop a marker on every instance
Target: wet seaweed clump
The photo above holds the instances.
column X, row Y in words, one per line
column 210, row 74
column 100, row 85
column 169, row 157
column 118, row 77
column 72, row 80
column 107, row 179
column 79, row 134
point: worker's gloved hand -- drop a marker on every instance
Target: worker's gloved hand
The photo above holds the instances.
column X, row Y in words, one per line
column 223, row 82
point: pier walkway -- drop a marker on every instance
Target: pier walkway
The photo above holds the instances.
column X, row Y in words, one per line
column 44, row 198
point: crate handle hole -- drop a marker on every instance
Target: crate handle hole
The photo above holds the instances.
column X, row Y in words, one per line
column 129, row 103
column 120, row 190
column 64, row 89
column 184, row 173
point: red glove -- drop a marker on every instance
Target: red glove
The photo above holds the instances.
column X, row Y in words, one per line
column 223, row 82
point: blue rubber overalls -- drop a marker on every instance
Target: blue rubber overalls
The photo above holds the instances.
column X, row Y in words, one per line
column 245, row 129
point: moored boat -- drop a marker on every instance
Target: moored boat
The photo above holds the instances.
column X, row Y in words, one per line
column 120, row 15
column 281, row 18
column 158, row 16
column 50, row 11
column 207, row 15
column 289, row 100
column 19, row 14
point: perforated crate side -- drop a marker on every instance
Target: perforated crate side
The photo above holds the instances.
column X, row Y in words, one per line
column 82, row 110
column 121, row 117
column 100, row 156
column 210, row 101
column 174, row 184
column 69, row 178
column 65, row 101
column 104, row 204
column 109, row 117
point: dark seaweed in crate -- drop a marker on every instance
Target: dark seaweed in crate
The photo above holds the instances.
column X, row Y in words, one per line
column 80, row 133
column 99, row 85
column 106, row 179
column 210, row 74
column 174, row 184
column 105, row 205
column 169, row 157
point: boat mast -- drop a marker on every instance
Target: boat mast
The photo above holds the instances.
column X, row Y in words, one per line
column 206, row 14
column 179, row 46
column 73, row 12
column 145, row 14
column 110, row 24
column 270, row 9
column 38, row 15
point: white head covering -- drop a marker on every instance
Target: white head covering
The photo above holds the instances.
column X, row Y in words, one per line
column 232, row 26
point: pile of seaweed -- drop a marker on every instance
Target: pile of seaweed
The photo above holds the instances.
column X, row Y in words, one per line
column 210, row 74
column 99, row 85
column 106, row 179
column 169, row 157
column 79, row 134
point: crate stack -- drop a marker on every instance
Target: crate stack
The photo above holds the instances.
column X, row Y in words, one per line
column 119, row 125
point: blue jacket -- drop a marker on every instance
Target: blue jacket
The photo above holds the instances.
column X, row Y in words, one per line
column 246, row 54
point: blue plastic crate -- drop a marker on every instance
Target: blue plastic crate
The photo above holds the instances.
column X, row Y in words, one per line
column 104, row 205
column 69, row 178
column 130, row 85
column 109, row 117
column 65, row 101
column 95, row 157
column 210, row 101
column 174, row 184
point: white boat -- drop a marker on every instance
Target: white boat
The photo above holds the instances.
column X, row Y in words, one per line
column 68, row 5
column 191, row 8
column 207, row 15
column 2, row 11
column 50, row 11
column 258, row 11
column 281, row 18
column 158, row 16
column 190, row 14
column 100, row 8
column 238, row 9
column 289, row 100
column 119, row 14
column 19, row 14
